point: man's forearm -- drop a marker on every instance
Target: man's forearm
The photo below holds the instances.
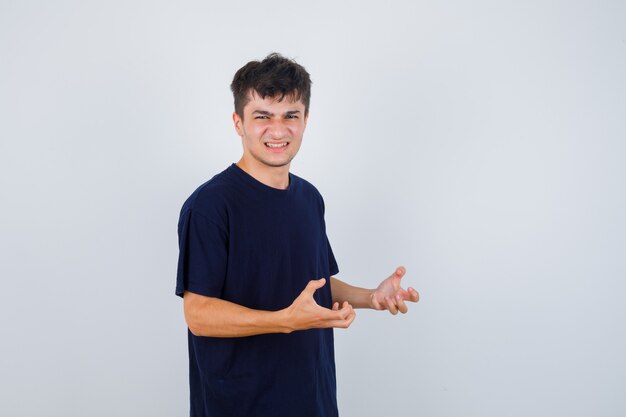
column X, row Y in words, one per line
column 356, row 296
column 209, row 316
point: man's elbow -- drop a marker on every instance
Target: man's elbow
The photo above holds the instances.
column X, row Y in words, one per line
column 195, row 325
column 194, row 305
column 196, row 331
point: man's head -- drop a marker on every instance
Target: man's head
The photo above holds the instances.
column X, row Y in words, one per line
column 275, row 77
column 271, row 111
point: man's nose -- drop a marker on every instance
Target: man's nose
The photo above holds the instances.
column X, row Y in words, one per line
column 278, row 129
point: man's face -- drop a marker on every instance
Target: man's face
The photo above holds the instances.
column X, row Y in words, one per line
column 271, row 131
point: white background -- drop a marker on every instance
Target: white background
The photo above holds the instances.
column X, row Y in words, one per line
column 480, row 144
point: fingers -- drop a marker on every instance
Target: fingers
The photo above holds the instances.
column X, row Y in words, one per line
column 340, row 318
column 346, row 310
column 334, row 313
column 400, row 271
column 346, row 322
column 391, row 296
column 391, row 305
column 375, row 303
column 402, row 308
column 413, row 295
column 396, row 304
column 313, row 286
column 350, row 319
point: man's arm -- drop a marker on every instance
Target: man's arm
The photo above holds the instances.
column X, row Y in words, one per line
column 389, row 295
column 356, row 296
column 210, row 316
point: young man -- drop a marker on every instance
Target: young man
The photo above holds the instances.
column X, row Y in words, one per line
column 256, row 268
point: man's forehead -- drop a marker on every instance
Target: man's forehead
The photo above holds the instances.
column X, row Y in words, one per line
column 288, row 99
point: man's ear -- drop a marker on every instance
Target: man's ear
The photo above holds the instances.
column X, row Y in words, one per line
column 238, row 122
column 306, row 118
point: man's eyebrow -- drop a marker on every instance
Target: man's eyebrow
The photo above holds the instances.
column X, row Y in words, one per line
column 267, row 113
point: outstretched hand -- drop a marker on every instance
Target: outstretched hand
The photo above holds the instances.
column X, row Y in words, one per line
column 391, row 296
column 305, row 313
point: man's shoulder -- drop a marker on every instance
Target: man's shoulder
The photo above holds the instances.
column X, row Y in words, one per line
column 307, row 187
column 209, row 199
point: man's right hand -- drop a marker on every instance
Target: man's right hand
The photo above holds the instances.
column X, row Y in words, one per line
column 305, row 313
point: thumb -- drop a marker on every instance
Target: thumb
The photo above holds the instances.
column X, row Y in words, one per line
column 399, row 272
column 314, row 285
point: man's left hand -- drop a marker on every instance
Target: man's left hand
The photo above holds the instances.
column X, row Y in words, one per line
column 391, row 296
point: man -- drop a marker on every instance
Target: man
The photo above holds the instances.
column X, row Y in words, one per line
column 256, row 268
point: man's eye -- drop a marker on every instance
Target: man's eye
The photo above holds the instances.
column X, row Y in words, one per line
column 261, row 117
column 292, row 116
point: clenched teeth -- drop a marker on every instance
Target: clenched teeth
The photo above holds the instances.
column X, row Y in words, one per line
column 276, row 145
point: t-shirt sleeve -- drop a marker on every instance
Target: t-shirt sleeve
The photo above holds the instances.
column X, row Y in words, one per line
column 332, row 263
column 203, row 255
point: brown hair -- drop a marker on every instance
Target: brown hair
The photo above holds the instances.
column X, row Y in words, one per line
column 276, row 76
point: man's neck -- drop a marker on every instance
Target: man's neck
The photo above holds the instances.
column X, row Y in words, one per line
column 275, row 177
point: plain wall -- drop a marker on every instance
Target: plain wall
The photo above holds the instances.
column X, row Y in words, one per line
column 480, row 144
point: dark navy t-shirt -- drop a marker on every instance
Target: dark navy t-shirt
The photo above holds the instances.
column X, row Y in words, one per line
column 258, row 246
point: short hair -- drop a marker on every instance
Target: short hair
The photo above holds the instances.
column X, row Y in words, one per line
column 275, row 76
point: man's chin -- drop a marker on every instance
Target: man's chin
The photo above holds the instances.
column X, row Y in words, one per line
column 278, row 165
column 275, row 164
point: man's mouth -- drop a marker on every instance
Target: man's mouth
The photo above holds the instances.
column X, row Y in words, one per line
column 276, row 145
